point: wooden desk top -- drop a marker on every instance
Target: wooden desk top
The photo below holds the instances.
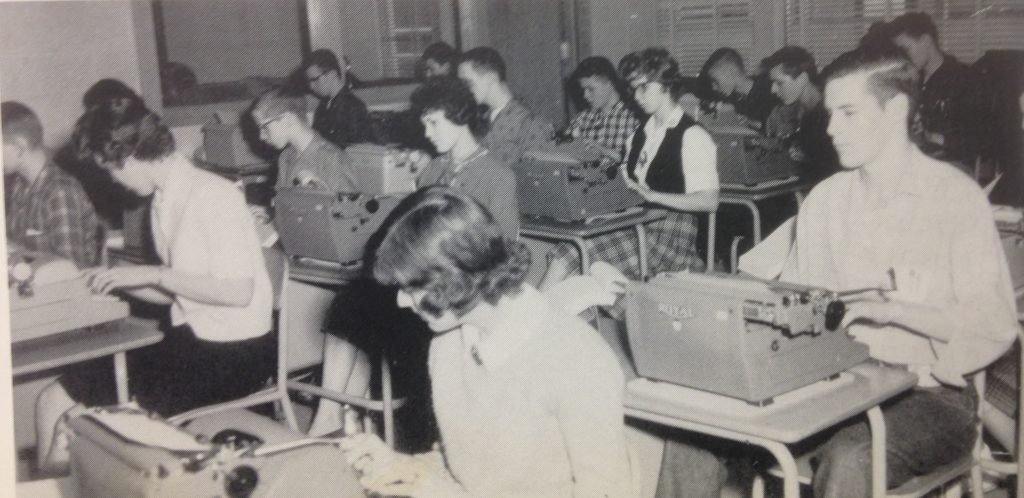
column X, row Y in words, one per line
column 786, row 422
column 84, row 344
column 533, row 226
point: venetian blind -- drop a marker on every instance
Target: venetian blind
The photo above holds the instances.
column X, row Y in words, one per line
column 967, row 28
column 692, row 29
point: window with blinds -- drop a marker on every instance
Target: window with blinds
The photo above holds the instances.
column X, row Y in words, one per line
column 692, row 29
column 406, row 27
column 967, row 28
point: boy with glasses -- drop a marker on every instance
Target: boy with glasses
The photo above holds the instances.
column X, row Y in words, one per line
column 341, row 117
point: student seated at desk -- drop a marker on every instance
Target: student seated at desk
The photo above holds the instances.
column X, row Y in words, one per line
column 47, row 210
column 801, row 120
column 750, row 95
column 439, row 59
column 608, row 121
column 923, row 233
column 454, row 123
column 212, row 274
column 341, row 117
column 306, row 157
column 528, row 398
column 514, row 129
column 310, row 161
column 671, row 162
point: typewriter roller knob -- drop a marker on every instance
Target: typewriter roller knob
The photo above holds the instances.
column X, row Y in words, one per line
column 372, row 206
column 241, row 481
column 834, row 315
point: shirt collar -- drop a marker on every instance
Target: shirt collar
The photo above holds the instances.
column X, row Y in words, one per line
column 528, row 310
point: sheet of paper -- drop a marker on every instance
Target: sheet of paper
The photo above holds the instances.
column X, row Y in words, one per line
column 767, row 259
column 139, row 428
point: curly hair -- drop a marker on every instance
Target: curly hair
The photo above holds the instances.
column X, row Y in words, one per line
column 110, row 137
column 449, row 246
column 451, row 96
column 656, row 64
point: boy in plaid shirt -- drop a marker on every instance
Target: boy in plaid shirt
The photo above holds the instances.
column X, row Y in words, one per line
column 47, row 210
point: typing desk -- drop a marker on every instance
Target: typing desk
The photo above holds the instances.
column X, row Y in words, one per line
column 577, row 232
column 112, row 339
column 773, row 427
column 749, row 195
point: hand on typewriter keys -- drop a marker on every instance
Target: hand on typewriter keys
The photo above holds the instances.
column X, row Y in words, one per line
column 107, row 280
column 389, row 473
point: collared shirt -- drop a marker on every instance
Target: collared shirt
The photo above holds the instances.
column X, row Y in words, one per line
column 321, row 160
column 515, row 130
column 483, row 178
column 606, row 127
column 935, row 239
column 202, row 226
column 699, row 153
column 53, row 214
column 343, row 120
column 534, row 409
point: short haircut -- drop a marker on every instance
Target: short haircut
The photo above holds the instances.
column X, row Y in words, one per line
column 600, row 67
column 451, row 96
column 109, row 91
column 449, row 246
column 792, row 61
column 485, row 59
column 277, row 102
column 19, row 121
column 441, row 52
column 889, row 70
column 110, row 137
column 324, row 59
column 724, row 55
column 657, row 65
column 915, row 25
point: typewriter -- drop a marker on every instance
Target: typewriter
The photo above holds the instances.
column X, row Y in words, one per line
column 571, row 182
column 383, row 170
column 737, row 336
column 745, row 157
column 48, row 295
column 326, row 229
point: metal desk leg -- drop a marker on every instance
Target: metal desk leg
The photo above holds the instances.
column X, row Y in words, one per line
column 641, row 248
column 584, row 255
column 790, row 476
column 389, row 408
column 712, row 228
column 121, row 376
column 878, row 463
column 799, row 198
column 756, row 214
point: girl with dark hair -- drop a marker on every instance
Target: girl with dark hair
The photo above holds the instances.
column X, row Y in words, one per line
column 528, row 398
column 212, row 272
column 671, row 161
column 455, row 124
column 608, row 121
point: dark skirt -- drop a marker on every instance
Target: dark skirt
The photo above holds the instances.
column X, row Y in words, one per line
column 184, row 372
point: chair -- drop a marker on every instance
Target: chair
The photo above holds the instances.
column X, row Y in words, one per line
column 303, row 356
column 1016, row 467
column 947, row 477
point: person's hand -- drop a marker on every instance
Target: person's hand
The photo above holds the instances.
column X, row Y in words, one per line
column 367, row 453
column 416, row 159
column 417, row 476
column 644, row 192
column 872, row 307
column 105, row 281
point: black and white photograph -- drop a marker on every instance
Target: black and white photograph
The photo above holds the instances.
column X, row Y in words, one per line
column 512, row 248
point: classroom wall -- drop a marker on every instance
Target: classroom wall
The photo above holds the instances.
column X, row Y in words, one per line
column 51, row 52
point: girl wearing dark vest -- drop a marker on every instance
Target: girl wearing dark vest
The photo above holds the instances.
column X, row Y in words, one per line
column 671, row 162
